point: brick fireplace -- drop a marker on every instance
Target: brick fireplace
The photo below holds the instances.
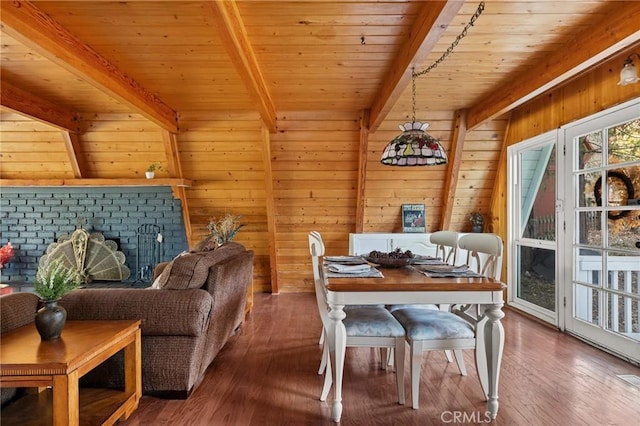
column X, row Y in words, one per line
column 33, row 218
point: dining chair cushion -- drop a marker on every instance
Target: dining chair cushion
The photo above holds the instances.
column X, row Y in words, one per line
column 423, row 324
column 430, row 306
column 371, row 321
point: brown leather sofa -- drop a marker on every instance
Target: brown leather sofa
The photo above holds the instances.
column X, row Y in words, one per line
column 184, row 325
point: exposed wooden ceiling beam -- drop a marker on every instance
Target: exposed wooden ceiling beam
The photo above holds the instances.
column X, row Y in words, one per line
column 453, row 168
column 596, row 43
column 234, row 37
column 29, row 105
column 362, row 170
column 271, row 208
column 75, row 153
column 173, row 155
column 26, row 23
column 432, row 21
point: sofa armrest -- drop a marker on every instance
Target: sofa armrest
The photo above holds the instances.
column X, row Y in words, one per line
column 163, row 312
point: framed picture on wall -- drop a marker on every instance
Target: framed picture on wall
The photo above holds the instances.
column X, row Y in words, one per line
column 413, row 218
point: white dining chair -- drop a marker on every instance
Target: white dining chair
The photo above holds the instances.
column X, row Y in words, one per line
column 456, row 330
column 366, row 326
column 446, row 245
column 484, row 252
column 433, row 330
column 316, row 245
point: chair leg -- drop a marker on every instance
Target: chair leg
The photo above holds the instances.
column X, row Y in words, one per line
column 416, row 363
column 447, row 354
column 384, row 357
column 325, row 356
column 321, row 340
column 460, row 362
column 328, row 376
column 399, row 363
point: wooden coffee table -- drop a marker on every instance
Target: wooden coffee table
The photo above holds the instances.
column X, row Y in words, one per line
column 54, row 367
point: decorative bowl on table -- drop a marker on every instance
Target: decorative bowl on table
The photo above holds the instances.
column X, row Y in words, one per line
column 394, row 259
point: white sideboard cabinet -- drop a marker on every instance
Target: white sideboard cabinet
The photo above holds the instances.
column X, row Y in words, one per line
column 418, row 243
column 361, row 244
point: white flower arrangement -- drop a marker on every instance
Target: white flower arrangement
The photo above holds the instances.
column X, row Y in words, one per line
column 54, row 280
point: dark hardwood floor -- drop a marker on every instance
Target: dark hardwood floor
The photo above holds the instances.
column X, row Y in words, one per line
column 266, row 375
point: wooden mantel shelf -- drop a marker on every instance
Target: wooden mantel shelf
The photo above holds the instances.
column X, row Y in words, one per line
column 180, row 182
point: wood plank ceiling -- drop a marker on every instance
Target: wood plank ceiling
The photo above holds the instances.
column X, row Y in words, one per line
column 310, row 54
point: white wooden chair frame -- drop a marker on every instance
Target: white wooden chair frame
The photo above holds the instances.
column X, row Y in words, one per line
column 397, row 344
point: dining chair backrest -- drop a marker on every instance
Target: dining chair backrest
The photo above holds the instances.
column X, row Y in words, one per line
column 486, row 250
column 316, row 249
column 446, row 245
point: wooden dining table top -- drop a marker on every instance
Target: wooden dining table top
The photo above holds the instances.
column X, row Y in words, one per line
column 408, row 279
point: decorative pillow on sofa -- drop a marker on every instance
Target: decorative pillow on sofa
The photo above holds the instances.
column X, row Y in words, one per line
column 207, row 244
column 190, row 270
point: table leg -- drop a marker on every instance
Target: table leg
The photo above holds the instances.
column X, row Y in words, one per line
column 133, row 372
column 494, row 345
column 66, row 400
column 338, row 334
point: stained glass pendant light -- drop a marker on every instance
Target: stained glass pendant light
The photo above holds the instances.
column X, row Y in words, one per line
column 414, row 146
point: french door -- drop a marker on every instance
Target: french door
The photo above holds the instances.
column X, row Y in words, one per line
column 532, row 226
column 574, row 228
column 603, row 297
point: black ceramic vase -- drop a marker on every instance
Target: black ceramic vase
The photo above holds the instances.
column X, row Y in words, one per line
column 50, row 320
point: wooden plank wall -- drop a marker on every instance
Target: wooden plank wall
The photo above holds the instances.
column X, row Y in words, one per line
column 586, row 95
column 387, row 188
column 315, row 168
column 222, row 153
column 20, row 138
column 314, row 161
column 120, row 145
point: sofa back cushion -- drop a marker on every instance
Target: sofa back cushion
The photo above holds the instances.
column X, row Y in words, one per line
column 16, row 310
column 190, row 270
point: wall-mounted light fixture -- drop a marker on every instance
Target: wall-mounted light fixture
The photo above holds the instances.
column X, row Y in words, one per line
column 629, row 72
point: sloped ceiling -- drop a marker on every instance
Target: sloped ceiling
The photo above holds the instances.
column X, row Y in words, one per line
column 278, row 56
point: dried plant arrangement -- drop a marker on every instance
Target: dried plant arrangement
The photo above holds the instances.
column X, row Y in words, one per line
column 225, row 228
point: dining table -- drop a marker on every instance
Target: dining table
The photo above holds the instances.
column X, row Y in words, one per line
column 410, row 285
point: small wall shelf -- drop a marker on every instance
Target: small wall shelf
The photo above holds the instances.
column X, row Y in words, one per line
column 179, row 182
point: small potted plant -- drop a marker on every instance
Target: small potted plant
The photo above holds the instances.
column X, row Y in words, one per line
column 477, row 221
column 53, row 280
column 150, row 173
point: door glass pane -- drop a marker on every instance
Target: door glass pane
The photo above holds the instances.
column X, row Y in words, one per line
column 589, row 150
column 539, row 193
column 623, row 142
column 586, row 189
column 588, row 266
column 536, row 278
column 623, row 316
column 586, row 304
column 623, row 270
column 588, row 229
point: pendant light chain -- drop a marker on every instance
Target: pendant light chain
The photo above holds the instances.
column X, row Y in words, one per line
column 414, row 146
column 453, row 45
column 413, row 95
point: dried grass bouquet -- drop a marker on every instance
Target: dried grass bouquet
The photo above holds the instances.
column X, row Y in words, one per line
column 225, row 228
